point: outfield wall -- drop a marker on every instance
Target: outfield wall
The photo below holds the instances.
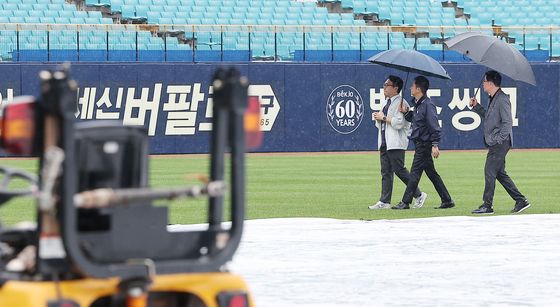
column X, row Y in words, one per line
column 304, row 107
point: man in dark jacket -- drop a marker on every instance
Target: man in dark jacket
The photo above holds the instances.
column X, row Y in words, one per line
column 425, row 135
column 498, row 138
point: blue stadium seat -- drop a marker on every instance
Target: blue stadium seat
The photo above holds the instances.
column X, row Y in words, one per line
column 47, row 19
column 33, row 13
column 14, row 19
column 32, row 20
column 286, row 12
column 10, row 6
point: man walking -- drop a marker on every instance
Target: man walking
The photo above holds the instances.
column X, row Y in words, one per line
column 426, row 136
column 498, row 138
column 392, row 142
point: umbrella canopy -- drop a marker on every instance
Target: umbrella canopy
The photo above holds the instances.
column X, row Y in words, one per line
column 410, row 61
column 493, row 53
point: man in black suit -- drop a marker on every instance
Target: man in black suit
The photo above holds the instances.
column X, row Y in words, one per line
column 425, row 134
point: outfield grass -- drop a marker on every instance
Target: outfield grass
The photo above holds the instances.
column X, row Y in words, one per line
column 343, row 185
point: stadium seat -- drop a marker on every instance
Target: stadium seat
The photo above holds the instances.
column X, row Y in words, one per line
column 509, row 14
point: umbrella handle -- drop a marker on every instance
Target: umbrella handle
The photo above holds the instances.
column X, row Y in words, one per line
column 476, row 92
column 480, row 84
column 404, row 89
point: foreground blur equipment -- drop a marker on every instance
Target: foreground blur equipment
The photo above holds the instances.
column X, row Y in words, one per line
column 99, row 240
column 18, row 126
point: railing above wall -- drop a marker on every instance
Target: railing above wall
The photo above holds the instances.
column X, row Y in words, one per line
column 208, row 43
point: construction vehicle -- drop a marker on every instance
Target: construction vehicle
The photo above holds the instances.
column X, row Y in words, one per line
column 98, row 239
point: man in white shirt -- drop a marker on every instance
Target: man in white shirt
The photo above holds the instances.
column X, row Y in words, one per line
column 392, row 141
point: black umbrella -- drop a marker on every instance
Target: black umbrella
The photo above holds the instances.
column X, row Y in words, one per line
column 410, row 61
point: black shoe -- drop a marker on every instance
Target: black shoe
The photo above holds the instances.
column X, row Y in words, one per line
column 447, row 205
column 401, row 206
column 484, row 209
column 520, row 206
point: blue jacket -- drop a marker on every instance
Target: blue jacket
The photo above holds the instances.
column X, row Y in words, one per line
column 425, row 125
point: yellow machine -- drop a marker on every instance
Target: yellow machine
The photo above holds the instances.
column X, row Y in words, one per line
column 98, row 240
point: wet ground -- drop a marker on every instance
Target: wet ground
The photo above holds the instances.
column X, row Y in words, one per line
column 447, row 261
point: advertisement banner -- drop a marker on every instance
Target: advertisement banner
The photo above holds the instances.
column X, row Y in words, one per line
column 304, row 107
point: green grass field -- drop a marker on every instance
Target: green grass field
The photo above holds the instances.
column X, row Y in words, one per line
column 342, row 185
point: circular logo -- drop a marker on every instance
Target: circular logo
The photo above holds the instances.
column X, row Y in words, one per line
column 345, row 109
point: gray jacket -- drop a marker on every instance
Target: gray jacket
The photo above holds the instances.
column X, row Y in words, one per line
column 396, row 132
column 498, row 120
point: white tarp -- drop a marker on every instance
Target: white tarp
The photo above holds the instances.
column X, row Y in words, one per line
column 446, row 261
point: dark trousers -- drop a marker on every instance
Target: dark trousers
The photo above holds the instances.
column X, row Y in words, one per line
column 423, row 162
column 392, row 162
column 495, row 168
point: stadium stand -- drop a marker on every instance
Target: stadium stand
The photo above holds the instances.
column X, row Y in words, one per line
column 174, row 30
column 508, row 15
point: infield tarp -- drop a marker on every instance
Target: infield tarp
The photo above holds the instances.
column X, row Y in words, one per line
column 442, row 261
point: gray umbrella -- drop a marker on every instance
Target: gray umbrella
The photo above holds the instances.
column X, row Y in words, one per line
column 493, row 53
column 410, row 61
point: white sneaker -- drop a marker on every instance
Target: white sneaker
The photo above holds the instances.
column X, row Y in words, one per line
column 419, row 202
column 380, row 205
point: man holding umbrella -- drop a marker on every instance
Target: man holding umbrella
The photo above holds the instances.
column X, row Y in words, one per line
column 498, row 139
column 425, row 134
column 425, row 126
column 506, row 59
column 392, row 142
